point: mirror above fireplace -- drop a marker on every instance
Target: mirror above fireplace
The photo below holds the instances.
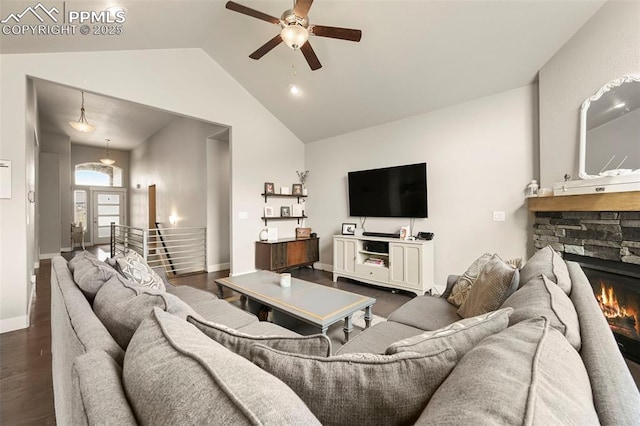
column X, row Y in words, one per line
column 610, row 129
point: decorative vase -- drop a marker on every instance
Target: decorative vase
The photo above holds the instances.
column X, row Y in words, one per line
column 264, row 235
column 304, row 191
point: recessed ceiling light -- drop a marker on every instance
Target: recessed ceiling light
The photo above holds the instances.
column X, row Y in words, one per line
column 295, row 90
column 620, row 105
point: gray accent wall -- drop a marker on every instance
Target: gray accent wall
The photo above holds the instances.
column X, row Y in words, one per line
column 60, row 145
column 605, row 48
column 49, row 204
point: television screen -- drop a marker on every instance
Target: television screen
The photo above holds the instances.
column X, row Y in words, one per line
column 389, row 192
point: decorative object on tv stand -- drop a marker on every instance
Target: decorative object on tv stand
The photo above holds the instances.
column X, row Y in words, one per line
column 348, row 229
column 303, row 179
column 296, row 189
column 405, row 232
column 272, row 234
column 264, row 234
column 285, row 211
column 269, row 188
column 107, row 160
column 82, row 125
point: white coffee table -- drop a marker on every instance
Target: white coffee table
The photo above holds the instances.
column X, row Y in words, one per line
column 313, row 303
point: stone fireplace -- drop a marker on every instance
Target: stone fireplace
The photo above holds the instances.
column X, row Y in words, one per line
column 603, row 236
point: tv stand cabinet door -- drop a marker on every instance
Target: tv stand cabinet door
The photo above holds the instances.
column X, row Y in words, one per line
column 344, row 255
column 406, row 265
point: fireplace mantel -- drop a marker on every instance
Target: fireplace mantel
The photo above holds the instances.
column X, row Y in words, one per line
column 606, row 202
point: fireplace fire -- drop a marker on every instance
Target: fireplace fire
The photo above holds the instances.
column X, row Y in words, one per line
column 616, row 287
column 621, row 319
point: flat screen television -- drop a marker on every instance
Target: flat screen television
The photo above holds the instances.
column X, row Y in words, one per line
column 399, row 191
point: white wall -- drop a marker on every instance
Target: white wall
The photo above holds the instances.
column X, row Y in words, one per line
column 184, row 81
column 218, row 204
column 605, row 48
column 192, row 177
column 479, row 155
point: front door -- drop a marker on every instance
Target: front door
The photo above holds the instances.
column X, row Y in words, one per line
column 108, row 207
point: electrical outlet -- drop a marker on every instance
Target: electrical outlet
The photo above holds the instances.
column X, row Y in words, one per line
column 499, row 216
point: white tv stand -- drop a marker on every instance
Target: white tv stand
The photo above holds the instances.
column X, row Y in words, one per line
column 386, row 262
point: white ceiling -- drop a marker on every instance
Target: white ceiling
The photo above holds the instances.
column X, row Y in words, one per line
column 414, row 57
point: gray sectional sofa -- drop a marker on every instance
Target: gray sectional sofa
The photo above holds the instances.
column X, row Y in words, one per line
column 123, row 354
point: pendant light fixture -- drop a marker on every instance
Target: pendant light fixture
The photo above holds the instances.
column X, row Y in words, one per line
column 108, row 161
column 82, row 125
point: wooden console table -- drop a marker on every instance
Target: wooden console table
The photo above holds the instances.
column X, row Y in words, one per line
column 286, row 253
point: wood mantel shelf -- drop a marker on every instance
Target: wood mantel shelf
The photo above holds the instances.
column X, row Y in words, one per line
column 607, row 202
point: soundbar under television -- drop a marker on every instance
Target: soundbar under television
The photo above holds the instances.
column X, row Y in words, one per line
column 389, row 192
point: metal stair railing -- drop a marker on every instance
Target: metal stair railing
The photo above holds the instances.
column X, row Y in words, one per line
column 176, row 250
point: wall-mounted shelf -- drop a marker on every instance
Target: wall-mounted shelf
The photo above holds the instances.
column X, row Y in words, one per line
column 266, row 219
column 266, row 196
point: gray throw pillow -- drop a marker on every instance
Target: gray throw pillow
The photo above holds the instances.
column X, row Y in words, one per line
column 135, row 268
column 542, row 297
column 121, row 306
column 526, row 375
column 496, row 282
column 90, row 274
column 240, row 343
column 549, row 263
column 462, row 336
column 175, row 375
column 79, row 258
column 356, row 389
column 463, row 284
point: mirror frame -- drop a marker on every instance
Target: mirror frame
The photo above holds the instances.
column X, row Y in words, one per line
column 583, row 119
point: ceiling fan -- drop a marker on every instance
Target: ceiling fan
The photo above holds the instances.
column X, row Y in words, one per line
column 295, row 30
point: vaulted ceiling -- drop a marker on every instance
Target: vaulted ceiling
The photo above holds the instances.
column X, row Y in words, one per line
column 414, row 56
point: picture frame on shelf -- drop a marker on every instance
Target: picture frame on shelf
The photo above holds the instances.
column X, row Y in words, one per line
column 268, row 211
column 285, row 211
column 297, row 210
column 348, row 229
column 296, row 189
column 269, row 188
column 285, row 190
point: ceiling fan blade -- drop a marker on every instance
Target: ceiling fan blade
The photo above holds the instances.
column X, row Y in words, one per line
column 302, row 7
column 266, row 48
column 335, row 32
column 310, row 56
column 251, row 12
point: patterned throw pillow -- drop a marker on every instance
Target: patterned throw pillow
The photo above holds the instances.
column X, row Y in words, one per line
column 462, row 335
column 496, row 282
column 463, row 285
column 133, row 267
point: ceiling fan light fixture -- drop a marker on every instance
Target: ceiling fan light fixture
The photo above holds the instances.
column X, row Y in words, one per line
column 294, row 35
column 82, row 125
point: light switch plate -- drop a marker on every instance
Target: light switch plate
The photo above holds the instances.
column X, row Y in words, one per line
column 499, row 216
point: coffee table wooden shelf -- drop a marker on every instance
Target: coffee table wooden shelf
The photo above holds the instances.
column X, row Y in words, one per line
column 309, row 302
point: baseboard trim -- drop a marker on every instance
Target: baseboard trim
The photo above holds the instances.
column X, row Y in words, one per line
column 218, row 267
column 323, row 266
column 44, row 256
column 13, row 324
